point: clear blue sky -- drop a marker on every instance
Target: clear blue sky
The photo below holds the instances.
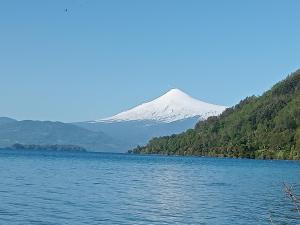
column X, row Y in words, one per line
column 102, row 57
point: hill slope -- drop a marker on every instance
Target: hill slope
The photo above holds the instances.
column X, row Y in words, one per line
column 258, row 127
column 50, row 133
column 4, row 120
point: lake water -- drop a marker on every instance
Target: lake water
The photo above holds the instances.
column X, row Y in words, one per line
column 94, row 188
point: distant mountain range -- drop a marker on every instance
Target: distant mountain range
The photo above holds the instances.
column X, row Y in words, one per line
column 50, row 133
column 4, row 120
column 265, row 127
column 171, row 113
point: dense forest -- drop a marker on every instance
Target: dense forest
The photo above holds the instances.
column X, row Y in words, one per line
column 264, row 127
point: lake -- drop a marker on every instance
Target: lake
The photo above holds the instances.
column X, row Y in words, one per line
column 97, row 188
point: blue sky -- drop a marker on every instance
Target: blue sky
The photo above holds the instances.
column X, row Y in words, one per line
column 102, row 57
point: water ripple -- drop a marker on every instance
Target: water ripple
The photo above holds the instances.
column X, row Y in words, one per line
column 91, row 188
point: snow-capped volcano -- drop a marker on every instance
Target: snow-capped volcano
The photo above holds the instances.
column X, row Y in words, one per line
column 172, row 106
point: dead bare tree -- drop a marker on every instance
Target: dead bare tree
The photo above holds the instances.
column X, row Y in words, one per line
column 291, row 195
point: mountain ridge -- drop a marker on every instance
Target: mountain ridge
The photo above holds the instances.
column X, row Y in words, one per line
column 171, row 113
column 34, row 132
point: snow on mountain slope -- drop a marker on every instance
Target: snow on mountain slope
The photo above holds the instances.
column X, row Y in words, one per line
column 172, row 106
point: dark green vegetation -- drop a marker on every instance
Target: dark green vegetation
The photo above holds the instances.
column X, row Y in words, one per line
column 265, row 127
column 47, row 147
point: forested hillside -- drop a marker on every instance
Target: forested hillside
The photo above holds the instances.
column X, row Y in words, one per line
column 265, row 127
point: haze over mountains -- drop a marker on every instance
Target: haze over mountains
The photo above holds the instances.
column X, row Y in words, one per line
column 50, row 133
column 172, row 113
